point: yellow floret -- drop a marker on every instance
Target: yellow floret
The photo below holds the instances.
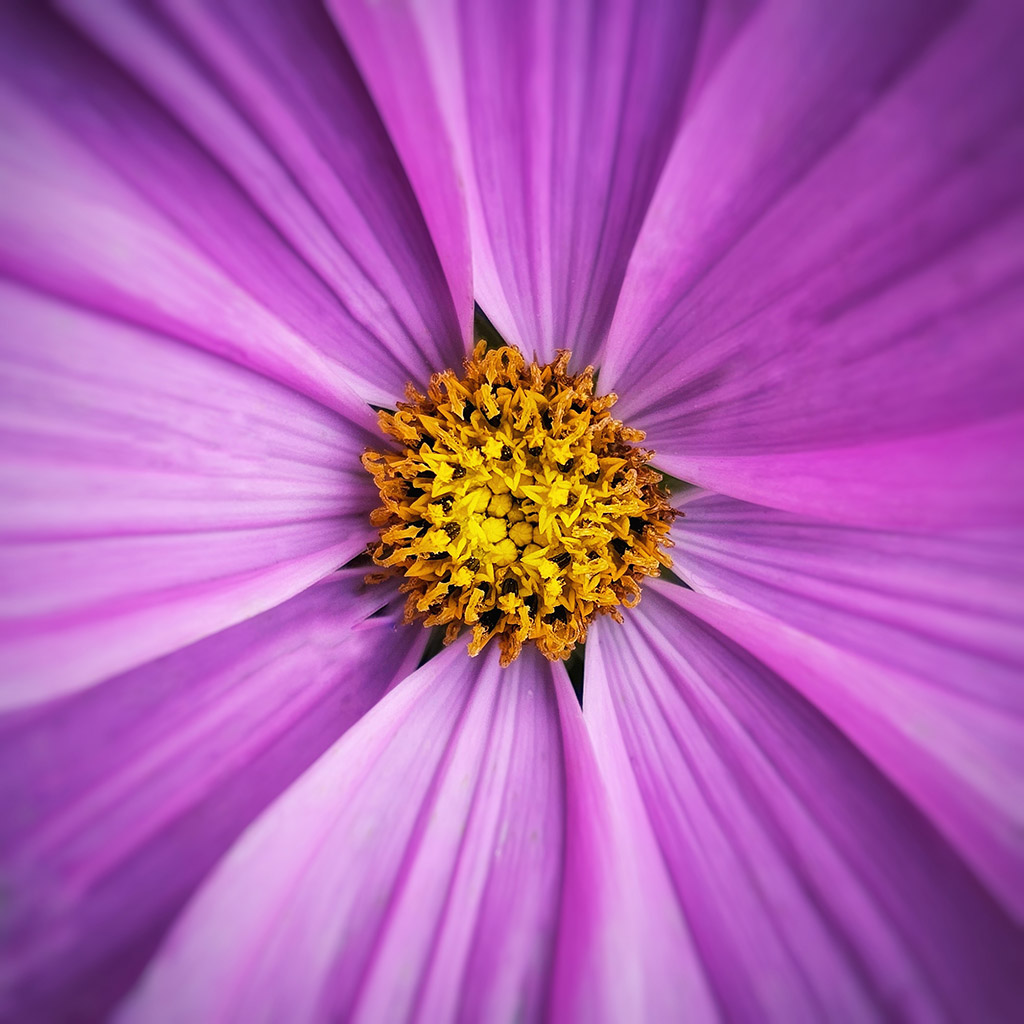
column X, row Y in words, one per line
column 495, row 529
column 505, row 552
column 500, row 505
column 521, row 534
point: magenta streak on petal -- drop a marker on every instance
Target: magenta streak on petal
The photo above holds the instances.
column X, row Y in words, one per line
column 957, row 757
column 319, row 250
column 971, row 477
column 153, row 494
column 835, row 256
column 414, row 869
column 117, row 801
column 624, row 952
column 814, row 890
column 561, row 116
column 386, row 44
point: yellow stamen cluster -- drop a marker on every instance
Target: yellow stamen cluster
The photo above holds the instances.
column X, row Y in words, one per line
column 516, row 505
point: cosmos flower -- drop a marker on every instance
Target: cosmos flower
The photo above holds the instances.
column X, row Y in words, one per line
column 234, row 786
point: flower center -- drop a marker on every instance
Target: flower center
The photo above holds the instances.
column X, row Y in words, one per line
column 517, row 505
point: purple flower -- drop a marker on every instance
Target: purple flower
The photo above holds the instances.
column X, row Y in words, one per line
column 790, row 235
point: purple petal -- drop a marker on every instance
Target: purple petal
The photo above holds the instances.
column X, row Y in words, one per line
column 624, row 952
column 153, row 495
column 419, row 869
column 833, row 257
column 416, row 863
column 386, row 44
column 813, row 889
column 194, row 176
column 561, row 116
column 913, row 645
column 971, row 477
column 721, row 24
column 116, row 802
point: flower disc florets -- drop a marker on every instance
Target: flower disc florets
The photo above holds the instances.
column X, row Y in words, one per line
column 517, row 505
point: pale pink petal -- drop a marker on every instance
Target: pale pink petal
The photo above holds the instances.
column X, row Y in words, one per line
column 119, row 800
column 184, row 170
column 831, row 267
column 427, row 840
column 814, row 890
column 153, row 494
